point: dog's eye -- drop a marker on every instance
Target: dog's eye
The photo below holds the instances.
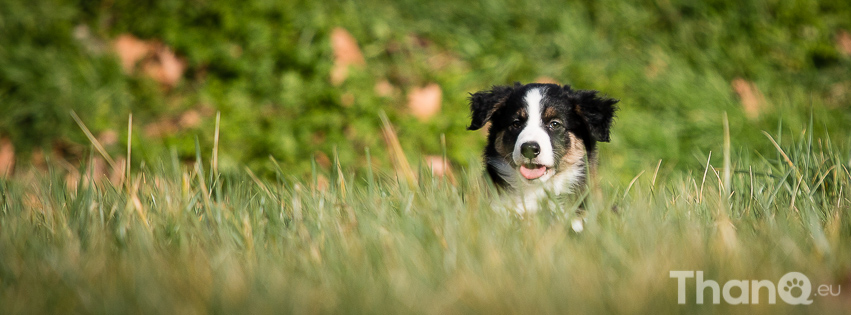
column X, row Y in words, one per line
column 555, row 124
column 517, row 123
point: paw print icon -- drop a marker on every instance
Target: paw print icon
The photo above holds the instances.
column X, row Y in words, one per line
column 796, row 289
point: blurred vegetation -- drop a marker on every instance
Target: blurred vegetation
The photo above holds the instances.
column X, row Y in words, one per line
column 265, row 66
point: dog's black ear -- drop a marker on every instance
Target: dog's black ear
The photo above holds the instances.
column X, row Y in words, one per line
column 484, row 103
column 596, row 111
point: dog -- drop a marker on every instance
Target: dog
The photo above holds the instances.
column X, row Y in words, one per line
column 542, row 138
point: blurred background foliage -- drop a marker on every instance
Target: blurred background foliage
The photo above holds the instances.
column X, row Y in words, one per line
column 267, row 67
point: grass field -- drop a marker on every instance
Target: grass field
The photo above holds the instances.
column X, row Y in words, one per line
column 261, row 180
column 177, row 239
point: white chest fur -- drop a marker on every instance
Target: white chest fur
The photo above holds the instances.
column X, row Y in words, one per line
column 527, row 195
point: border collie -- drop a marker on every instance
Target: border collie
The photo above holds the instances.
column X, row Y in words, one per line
column 542, row 138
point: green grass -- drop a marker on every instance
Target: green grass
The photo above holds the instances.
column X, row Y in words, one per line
column 178, row 239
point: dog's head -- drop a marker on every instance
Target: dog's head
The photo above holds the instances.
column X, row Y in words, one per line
column 536, row 129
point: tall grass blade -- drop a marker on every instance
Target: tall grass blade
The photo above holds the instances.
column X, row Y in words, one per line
column 93, row 140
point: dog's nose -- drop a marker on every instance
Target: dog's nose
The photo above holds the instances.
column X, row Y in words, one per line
column 530, row 149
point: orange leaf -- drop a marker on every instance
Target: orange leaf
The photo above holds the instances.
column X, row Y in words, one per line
column 190, row 119
column 96, row 169
column 322, row 159
column 158, row 61
column 161, row 128
column 166, row 68
column 346, row 50
column 843, row 41
column 750, row 97
column 346, row 53
column 425, row 102
column 7, row 157
column 130, row 50
column 384, row 88
column 440, row 167
column 108, row 137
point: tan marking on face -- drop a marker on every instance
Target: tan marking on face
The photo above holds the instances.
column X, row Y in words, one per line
column 575, row 153
column 521, row 114
column 549, row 113
column 500, row 145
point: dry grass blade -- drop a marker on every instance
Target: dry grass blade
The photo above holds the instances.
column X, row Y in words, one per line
column 705, row 171
column 727, row 164
column 94, row 140
column 129, row 146
column 777, row 146
column 788, row 161
column 655, row 173
column 397, row 155
column 205, row 192
column 718, row 178
column 137, row 204
column 216, row 145
column 632, row 182
column 259, row 183
column 341, row 180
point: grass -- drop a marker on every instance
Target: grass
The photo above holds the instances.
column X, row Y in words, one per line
column 177, row 238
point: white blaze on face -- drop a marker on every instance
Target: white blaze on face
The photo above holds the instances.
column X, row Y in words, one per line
column 534, row 131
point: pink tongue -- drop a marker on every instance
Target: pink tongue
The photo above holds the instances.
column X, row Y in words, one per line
column 532, row 173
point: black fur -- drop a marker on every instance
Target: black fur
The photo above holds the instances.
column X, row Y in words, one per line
column 483, row 104
column 596, row 112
